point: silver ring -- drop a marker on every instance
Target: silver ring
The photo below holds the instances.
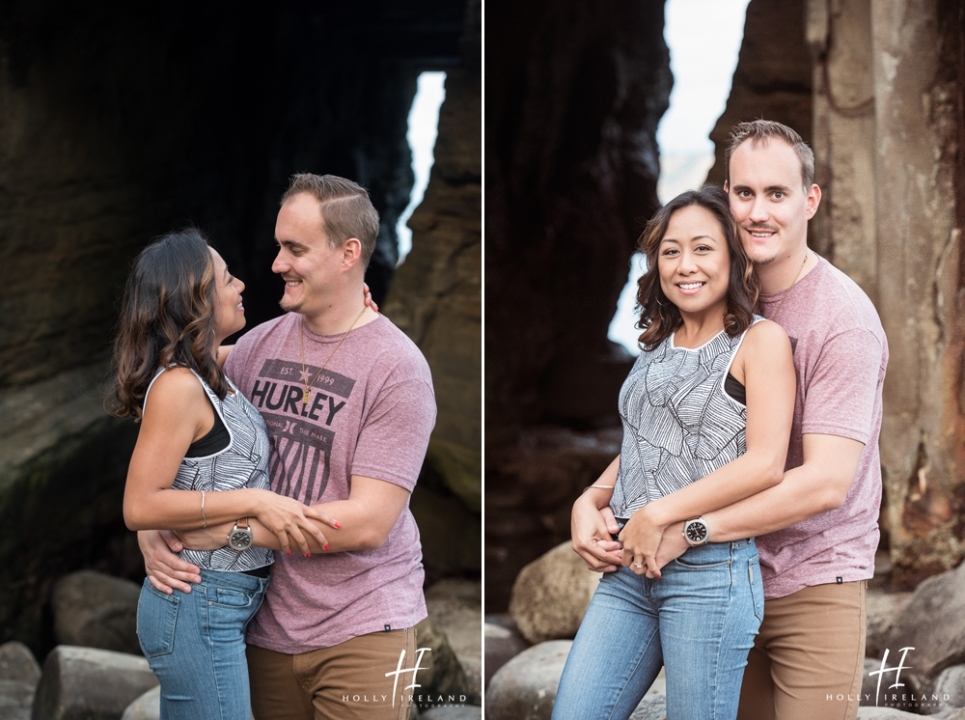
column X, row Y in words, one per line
column 637, row 565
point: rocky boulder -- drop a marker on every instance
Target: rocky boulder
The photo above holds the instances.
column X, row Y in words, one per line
column 502, row 645
column 89, row 684
column 551, row 595
column 95, row 610
column 525, row 687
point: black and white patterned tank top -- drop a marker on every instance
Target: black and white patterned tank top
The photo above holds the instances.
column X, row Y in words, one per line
column 678, row 422
column 242, row 464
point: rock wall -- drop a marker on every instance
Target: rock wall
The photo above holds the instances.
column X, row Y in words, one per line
column 119, row 124
column 573, row 97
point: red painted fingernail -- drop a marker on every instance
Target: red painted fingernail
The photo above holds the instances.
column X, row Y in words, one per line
column 326, row 546
column 289, row 553
column 308, row 554
column 338, row 524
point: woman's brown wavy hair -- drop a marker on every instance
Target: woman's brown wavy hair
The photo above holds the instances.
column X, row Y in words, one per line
column 659, row 317
column 167, row 318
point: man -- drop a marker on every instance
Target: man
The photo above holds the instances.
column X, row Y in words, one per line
column 349, row 406
column 817, row 530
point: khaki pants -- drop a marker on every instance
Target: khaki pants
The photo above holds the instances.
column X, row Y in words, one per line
column 345, row 682
column 808, row 659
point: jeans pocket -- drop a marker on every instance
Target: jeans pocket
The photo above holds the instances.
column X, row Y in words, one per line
column 157, row 617
column 232, row 597
column 690, row 563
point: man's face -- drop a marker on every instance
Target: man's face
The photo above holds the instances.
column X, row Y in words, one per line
column 768, row 200
column 305, row 261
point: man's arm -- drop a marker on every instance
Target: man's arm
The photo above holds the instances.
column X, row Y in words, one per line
column 367, row 516
column 592, row 524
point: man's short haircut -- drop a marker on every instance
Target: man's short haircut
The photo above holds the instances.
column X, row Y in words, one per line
column 346, row 209
column 761, row 132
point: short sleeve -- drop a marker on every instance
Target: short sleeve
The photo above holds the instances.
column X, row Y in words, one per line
column 842, row 389
column 395, row 435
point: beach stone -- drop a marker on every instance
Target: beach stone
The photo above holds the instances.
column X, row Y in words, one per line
column 18, row 663
column 146, row 707
column 502, row 645
column 441, row 672
column 933, row 623
column 882, row 608
column 16, row 698
column 89, row 684
column 652, row 707
column 95, row 610
column 951, row 682
column 525, row 687
column 551, row 595
column 455, row 607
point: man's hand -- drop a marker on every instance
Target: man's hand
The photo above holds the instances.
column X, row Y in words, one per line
column 165, row 570
column 592, row 530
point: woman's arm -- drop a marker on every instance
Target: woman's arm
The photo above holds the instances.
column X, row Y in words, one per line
column 592, row 524
column 178, row 413
column 764, row 364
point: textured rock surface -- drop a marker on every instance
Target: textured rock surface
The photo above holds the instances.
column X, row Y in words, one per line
column 455, row 606
column 17, row 663
column 146, row 707
column 502, row 644
column 118, row 126
column 531, row 483
column 933, row 624
column 883, row 608
column 950, row 686
column 772, row 78
column 90, row 684
column 551, row 595
column 16, row 699
column 97, row 611
column 525, row 687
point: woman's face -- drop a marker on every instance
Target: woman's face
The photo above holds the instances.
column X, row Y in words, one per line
column 229, row 314
column 693, row 261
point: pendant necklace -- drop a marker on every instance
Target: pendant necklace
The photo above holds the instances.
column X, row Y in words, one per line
column 789, row 288
column 306, row 396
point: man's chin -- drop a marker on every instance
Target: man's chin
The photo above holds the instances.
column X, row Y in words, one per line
column 289, row 306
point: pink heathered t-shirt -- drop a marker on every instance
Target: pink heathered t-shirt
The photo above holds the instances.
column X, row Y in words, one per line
column 840, row 355
column 370, row 414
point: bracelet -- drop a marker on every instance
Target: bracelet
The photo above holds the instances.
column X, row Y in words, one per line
column 203, row 516
column 600, row 487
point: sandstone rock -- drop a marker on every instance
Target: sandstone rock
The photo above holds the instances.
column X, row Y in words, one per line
column 652, row 707
column 95, row 610
column 146, row 707
column 883, row 608
column 455, row 606
column 16, row 698
column 443, row 673
column 884, row 713
column 502, row 645
column 551, row 595
column 933, row 623
column 18, row 663
column 950, row 686
column 525, row 687
column 89, row 684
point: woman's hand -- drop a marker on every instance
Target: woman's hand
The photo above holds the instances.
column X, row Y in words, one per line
column 641, row 537
column 290, row 521
column 367, row 298
column 592, row 530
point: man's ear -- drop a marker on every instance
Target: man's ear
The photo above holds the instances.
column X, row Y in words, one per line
column 351, row 253
column 813, row 200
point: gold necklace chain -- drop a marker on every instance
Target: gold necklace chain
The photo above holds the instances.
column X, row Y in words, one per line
column 301, row 337
column 791, row 286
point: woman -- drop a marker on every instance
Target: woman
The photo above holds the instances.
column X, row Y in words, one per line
column 201, row 457
column 706, row 413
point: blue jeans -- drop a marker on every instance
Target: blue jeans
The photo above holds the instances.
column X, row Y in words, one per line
column 699, row 620
column 195, row 644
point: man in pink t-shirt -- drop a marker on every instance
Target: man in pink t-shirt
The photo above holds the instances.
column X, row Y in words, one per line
column 817, row 530
column 348, row 402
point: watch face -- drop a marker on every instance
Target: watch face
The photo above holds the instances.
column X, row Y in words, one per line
column 240, row 538
column 696, row 531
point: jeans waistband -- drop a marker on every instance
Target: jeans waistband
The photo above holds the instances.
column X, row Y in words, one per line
column 238, row 579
